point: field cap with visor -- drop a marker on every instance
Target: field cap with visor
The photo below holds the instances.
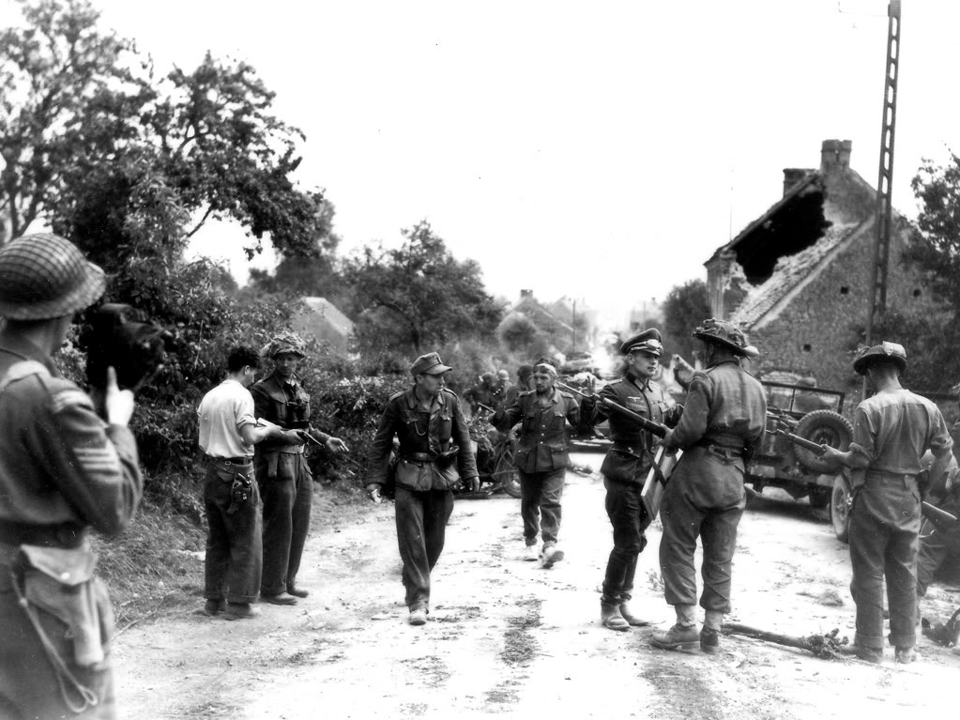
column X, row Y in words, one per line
column 726, row 334
column 648, row 341
column 428, row 364
column 45, row 276
column 894, row 352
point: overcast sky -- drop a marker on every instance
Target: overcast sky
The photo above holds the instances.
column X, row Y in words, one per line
column 599, row 150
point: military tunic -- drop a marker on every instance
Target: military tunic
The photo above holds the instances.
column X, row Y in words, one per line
column 285, row 481
column 434, row 455
column 62, row 471
column 892, row 429
column 541, row 459
column 723, row 423
column 624, row 471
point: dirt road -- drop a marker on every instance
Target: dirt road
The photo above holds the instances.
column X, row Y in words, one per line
column 507, row 638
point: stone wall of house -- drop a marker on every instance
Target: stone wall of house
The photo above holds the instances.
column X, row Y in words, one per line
column 818, row 333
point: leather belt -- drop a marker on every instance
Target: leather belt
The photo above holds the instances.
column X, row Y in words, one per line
column 66, row 535
column 419, row 457
column 242, row 460
column 723, row 451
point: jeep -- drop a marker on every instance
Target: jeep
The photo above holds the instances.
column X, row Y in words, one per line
column 814, row 414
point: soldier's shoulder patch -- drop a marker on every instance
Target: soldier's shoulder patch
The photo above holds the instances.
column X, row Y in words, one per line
column 66, row 395
column 396, row 395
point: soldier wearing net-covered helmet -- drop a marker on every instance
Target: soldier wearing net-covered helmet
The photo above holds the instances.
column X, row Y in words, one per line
column 722, row 425
column 892, row 430
column 63, row 471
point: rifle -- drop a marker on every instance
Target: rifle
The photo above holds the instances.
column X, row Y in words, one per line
column 649, row 425
column 664, row 460
column 928, row 510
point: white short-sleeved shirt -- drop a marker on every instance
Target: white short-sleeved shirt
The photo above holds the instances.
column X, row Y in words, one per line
column 222, row 412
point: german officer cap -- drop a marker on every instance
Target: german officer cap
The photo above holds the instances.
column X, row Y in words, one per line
column 888, row 351
column 44, row 276
column 649, row 341
column 428, row 364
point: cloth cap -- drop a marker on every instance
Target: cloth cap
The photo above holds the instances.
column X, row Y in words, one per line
column 428, row 364
column 285, row 342
column 726, row 334
column 885, row 350
column 647, row 341
column 44, row 276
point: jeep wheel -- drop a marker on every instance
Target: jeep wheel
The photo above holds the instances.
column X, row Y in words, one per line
column 840, row 508
column 823, row 427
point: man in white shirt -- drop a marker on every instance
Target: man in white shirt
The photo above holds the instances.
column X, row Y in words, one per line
column 228, row 432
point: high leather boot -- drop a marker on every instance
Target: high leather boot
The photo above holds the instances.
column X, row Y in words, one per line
column 611, row 618
column 634, row 620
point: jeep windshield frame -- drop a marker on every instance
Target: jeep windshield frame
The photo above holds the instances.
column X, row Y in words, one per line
column 798, row 400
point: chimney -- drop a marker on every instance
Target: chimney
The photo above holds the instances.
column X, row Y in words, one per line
column 791, row 176
column 843, row 155
column 835, row 154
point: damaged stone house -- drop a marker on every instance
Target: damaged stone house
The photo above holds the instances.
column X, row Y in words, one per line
column 798, row 278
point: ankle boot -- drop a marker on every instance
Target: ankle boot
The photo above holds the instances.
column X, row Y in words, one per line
column 611, row 618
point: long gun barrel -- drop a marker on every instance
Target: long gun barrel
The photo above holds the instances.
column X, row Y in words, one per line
column 648, row 425
column 929, row 511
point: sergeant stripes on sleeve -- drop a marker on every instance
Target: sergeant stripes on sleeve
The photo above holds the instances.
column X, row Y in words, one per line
column 94, row 460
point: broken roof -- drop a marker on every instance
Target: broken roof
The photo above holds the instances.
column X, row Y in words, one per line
column 790, row 274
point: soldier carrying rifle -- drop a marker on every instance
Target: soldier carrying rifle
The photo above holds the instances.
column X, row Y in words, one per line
column 626, row 465
column 892, row 430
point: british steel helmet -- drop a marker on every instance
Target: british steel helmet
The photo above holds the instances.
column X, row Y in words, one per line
column 726, row 334
column 885, row 351
column 44, row 276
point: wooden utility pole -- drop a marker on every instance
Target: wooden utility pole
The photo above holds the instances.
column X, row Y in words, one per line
column 881, row 247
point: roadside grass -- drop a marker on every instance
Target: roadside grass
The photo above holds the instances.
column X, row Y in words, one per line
column 155, row 567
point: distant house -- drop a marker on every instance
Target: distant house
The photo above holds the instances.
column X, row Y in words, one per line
column 798, row 278
column 325, row 322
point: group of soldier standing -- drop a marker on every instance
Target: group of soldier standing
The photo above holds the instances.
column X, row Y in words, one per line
column 717, row 431
column 68, row 465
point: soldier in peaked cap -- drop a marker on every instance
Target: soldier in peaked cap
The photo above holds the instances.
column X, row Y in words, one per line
column 722, row 426
column 63, row 469
column 892, row 430
column 541, row 458
column 284, row 477
column 626, row 466
column 434, row 455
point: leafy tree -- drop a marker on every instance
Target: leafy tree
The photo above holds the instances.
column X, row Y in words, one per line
column 684, row 308
column 519, row 334
column 935, row 250
column 418, row 296
column 96, row 144
column 316, row 274
column 129, row 164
